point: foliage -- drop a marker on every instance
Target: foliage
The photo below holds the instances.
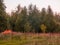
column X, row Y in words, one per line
column 3, row 20
column 29, row 19
column 43, row 28
column 27, row 27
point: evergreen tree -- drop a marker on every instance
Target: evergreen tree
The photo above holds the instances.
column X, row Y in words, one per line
column 50, row 20
column 34, row 18
column 21, row 20
column 3, row 21
column 43, row 15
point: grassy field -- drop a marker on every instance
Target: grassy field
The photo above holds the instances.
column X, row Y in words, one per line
column 30, row 39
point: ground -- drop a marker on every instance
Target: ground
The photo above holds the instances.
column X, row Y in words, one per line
column 30, row 39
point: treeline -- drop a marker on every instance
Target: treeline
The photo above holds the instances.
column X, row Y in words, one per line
column 30, row 19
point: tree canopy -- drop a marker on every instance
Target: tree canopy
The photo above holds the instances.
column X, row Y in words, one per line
column 29, row 19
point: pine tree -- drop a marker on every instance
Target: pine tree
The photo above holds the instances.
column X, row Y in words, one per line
column 3, row 20
column 21, row 20
column 49, row 20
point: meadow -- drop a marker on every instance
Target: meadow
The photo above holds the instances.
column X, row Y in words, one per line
column 30, row 39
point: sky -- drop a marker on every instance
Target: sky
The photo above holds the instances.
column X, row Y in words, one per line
column 12, row 4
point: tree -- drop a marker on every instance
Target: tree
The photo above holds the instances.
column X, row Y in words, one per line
column 34, row 18
column 43, row 16
column 13, row 19
column 8, row 22
column 43, row 28
column 27, row 27
column 50, row 20
column 3, row 21
column 21, row 20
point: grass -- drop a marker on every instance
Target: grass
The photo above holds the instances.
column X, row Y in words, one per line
column 30, row 39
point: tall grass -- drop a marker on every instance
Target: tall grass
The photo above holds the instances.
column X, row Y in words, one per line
column 30, row 39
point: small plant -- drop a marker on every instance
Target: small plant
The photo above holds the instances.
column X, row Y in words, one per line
column 43, row 27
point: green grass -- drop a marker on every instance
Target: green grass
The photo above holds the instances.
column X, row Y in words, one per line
column 30, row 39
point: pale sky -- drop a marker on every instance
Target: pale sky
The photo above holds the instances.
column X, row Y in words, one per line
column 12, row 4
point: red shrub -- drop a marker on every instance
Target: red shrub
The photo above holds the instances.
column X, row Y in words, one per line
column 7, row 32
